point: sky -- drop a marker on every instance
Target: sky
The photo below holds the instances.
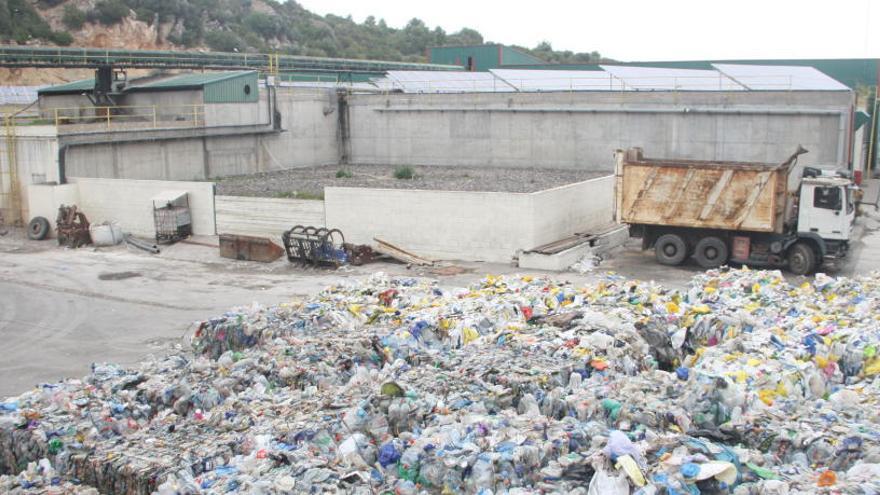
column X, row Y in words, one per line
column 643, row 30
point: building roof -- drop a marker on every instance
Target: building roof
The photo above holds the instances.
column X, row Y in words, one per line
column 445, row 82
column 721, row 77
column 558, row 80
column 780, row 77
column 196, row 80
column 664, row 79
column 71, row 87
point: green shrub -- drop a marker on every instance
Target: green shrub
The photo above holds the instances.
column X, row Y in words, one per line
column 224, row 41
column 73, row 17
column 264, row 25
column 109, row 12
column 61, row 38
column 144, row 14
column 343, row 174
column 405, row 172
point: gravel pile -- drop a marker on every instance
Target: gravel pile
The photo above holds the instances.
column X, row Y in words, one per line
column 310, row 182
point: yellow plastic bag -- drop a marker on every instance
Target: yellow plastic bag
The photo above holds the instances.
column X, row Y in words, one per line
column 631, row 468
column 469, row 335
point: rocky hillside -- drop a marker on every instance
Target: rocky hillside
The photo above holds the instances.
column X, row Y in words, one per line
column 225, row 25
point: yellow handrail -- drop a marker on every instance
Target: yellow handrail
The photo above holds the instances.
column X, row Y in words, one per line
column 153, row 115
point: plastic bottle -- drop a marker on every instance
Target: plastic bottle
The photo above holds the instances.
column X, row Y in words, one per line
column 408, row 467
column 482, row 475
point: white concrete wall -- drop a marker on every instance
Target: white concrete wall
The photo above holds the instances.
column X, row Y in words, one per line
column 36, row 152
column 170, row 105
column 44, row 200
column 310, row 121
column 128, row 202
column 582, row 129
column 237, row 114
column 265, row 217
column 583, row 207
column 469, row 226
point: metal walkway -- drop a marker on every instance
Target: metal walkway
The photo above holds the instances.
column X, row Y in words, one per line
column 23, row 56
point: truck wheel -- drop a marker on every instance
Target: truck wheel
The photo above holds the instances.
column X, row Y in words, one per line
column 38, row 229
column 670, row 249
column 711, row 252
column 801, row 259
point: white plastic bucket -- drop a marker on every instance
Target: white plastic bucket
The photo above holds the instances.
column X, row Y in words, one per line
column 106, row 234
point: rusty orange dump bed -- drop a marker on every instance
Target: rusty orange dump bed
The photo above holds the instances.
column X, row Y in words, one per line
column 701, row 194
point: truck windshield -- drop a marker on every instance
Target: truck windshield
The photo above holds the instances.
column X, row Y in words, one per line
column 850, row 204
column 827, row 198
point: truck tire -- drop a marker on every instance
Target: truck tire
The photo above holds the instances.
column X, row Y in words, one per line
column 670, row 249
column 801, row 259
column 711, row 252
column 38, row 229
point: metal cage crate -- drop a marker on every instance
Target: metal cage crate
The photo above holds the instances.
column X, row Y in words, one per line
column 172, row 216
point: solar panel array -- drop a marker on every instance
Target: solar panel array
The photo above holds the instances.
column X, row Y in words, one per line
column 663, row 79
column 446, row 82
column 558, row 80
column 724, row 77
column 18, row 95
column 780, row 77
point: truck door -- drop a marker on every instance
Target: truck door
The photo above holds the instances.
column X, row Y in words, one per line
column 823, row 211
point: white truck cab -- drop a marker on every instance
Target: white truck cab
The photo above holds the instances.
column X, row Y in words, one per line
column 826, row 208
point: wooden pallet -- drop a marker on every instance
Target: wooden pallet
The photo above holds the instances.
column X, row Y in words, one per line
column 399, row 254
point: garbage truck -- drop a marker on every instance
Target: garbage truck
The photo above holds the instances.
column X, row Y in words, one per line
column 720, row 212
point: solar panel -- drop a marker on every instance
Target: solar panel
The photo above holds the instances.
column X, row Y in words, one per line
column 558, row 80
column 18, row 95
column 445, row 82
column 664, row 79
column 364, row 86
column 781, row 77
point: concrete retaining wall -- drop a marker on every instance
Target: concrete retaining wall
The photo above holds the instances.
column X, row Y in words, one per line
column 311, row 131
column 584, row 207
column 265, row 217
column 582, row 130
column 309, row 120
column 128, row 202
column 470, row 226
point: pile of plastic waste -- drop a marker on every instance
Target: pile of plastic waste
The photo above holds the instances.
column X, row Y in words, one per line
column 741, row 384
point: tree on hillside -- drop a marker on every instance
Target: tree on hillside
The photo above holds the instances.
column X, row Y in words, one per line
column 73, row 18
column 234, row 25
column 109, row 12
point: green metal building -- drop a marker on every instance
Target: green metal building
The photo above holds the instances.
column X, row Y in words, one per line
column 481, row 57
column 220, row 87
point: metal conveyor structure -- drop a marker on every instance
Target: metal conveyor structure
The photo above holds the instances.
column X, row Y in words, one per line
column 25, row 56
